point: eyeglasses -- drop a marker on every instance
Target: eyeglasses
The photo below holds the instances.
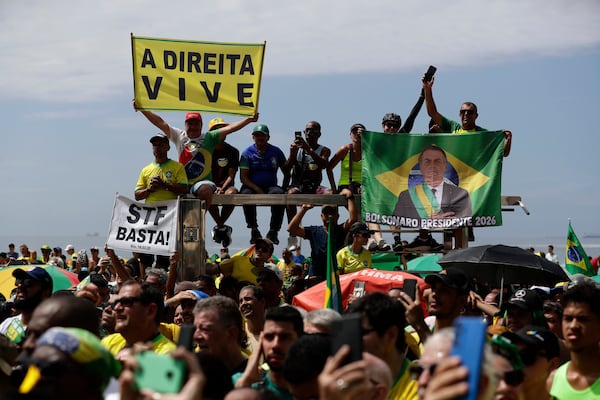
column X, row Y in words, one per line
column 392, row 125
column 417, row 369
column 468, row 112
column 513, row 378
column 125, row 301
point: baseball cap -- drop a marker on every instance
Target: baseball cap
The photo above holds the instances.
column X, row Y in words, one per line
column 360, row 228
column 269, row 267
column 357, row 126
column 36, row 273
column 46, row 247
column 159, row 136
column 261, row 128
column 537, row 340
column 292, row 248
column 266, row 242
column 391, row 117
column 198, row 293
column 193, row 115
column 525, row 299
column 85, row 349
column 57, row 249
column 69, row 247
column 452, row 278
column 216, row 123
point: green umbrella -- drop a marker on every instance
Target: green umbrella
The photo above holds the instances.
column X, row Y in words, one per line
column 426, row 263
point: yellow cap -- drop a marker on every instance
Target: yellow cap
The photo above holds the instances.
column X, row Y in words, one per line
column 216, row 123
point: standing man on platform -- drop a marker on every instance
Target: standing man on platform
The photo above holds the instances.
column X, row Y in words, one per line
column 195, row 149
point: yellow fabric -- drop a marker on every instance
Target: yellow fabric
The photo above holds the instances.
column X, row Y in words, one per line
column 230, row 73
column 404, row 388
column 242, row 269
column 115, row 343
column 170, row 331
column 348, row 261
column 169, row 171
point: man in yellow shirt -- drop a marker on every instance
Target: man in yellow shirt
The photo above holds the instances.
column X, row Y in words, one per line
column 383, row 324
column 138, row 309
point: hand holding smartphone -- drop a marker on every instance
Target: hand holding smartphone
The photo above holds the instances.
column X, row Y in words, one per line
column 348, row 330
column 468, row 345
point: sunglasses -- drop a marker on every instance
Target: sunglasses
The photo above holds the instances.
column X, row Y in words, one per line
column 513, row 378
column 392, row 125
column 261, row 248
column 468, row 112
column 125, row 301
column 416, row 370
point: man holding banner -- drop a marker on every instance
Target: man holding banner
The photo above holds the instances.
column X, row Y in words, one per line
column 195, row 149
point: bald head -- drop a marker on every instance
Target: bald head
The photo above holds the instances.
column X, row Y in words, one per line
column 378, row 371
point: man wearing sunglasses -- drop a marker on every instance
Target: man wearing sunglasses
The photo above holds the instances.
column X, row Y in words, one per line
column 138, row 310
column 468, row 116
column 539, row 351
column 33, row 286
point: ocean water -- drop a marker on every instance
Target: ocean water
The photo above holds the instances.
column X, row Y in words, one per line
column 241, row 236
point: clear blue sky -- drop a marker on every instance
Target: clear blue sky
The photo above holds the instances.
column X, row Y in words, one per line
column 71, row 139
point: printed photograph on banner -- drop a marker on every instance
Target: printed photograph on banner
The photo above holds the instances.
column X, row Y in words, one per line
column 432, row 181
column 144, row 228
column 184, row 75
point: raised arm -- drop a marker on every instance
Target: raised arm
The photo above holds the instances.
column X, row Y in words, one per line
column 236, row 126
column 294, row 227
column 155, row 120
column 429, row 103
column 410, row 120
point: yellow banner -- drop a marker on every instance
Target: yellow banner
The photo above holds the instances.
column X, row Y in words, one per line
column 182, row 75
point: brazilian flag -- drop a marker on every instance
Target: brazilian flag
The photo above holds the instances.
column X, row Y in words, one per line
column 576, row 261
column 471, row 171
column 333, row 294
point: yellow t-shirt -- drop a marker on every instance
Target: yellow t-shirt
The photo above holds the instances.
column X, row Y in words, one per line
column 169, row 171
column 242, row 268
column 115, row 343
column 348, row 261
column 404, row 388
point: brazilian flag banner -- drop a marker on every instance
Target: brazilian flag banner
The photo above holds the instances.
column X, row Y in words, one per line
column 576, row 260
column 432, row 181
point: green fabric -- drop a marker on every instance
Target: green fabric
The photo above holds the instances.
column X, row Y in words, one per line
column 576, row 260
column 388, row 161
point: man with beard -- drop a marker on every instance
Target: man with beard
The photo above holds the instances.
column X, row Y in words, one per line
column 33, row 286
column 283, row 325
column 252, row 307
column 138, row 310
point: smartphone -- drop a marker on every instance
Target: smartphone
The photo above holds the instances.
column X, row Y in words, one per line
column 410, row 287
column 298, row 135
column 359, row 289
column 348, row 330
column 159, row 372
column 429, row 74
column 468, row 345
column 186, row 335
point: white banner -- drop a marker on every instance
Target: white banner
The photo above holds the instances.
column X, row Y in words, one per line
column 144, row 228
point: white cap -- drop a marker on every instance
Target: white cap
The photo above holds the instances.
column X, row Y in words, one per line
column 269, row 267
column 69, row 247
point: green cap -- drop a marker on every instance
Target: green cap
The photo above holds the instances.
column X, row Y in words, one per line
column 261, row 128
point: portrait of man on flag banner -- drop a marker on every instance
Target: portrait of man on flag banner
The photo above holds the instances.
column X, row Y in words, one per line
column 432, row 181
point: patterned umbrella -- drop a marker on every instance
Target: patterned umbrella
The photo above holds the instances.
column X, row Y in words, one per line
column 61, row 278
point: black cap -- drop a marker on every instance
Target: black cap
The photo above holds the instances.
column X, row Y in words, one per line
column 359, row 228
column 159, row 136
column 36, row 273
column 452, row 278
column 536, row 338
column 525, row 299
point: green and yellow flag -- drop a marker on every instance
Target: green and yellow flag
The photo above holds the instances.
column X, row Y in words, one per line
column 576, row 260
column 333, row 294
column 432, row 181
column 183, row 75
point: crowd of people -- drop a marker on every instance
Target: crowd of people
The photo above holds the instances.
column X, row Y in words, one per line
column 251, row 342
column 128, row 319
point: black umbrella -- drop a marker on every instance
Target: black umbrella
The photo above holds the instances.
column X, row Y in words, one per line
column 499, row 264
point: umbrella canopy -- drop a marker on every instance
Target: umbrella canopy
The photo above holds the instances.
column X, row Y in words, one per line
column 427, row 263
column 386, row 261
column 61, row 278
column 500, row 264
column 375, row 281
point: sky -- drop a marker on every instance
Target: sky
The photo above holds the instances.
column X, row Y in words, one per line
column 71, row 139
